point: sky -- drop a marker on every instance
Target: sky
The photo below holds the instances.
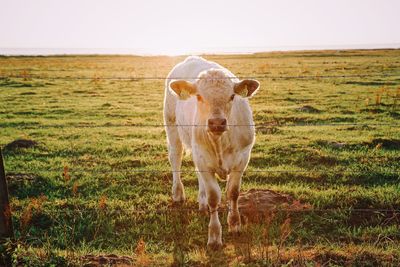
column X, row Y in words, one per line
column 186, row 26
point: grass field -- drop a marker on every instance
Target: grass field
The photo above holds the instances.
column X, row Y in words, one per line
column 329, row 141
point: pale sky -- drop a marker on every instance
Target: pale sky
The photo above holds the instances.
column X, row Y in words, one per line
column 185, row 26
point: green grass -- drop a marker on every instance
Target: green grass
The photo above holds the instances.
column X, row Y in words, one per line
column 344, row 156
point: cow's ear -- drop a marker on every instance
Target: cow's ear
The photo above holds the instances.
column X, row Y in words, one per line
column 246, row 88
column 183, row 89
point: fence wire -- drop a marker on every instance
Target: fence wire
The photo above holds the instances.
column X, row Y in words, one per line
column 180, row 206
column 137, row 78
column 72, row 170
column 258, row 126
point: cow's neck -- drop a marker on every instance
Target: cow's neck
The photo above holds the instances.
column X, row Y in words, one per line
column 216, row 144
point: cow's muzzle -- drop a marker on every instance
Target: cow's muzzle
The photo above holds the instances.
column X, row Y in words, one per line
column 217, row 125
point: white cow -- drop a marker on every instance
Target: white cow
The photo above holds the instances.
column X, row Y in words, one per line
column 206, row 111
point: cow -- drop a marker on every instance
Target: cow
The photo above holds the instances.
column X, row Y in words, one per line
column 206, row 111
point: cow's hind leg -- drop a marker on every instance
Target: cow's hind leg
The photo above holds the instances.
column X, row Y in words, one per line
column 232, row 192
column 175, row 152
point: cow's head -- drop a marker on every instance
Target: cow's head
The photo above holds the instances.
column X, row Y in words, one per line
column 216, row 93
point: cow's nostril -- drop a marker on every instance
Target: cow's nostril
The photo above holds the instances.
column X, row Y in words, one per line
column 217, row 122
column 217, row 125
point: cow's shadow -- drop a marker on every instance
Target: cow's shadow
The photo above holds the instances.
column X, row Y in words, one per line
column 184, row 240
column 217, row 257
column 178, row 218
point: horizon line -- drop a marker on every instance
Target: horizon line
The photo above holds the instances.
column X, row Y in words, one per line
column 57, row 51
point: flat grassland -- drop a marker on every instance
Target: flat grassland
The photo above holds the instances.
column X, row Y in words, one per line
column 97, row 181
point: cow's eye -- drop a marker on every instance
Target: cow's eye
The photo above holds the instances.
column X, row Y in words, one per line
column 199, row 98
column 232, row 97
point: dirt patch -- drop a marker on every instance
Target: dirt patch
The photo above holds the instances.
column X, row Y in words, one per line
column 28, row 93
column 364, row 127
column 394, row 114
column 385, row 143
column 372, row 218
column 331, row 144
column 20, row 177
column 256, row 202
column 267, row 129
column 21, row 143
column 101, row 260
column 373, row 110
column 308, row 109
column 371, row 83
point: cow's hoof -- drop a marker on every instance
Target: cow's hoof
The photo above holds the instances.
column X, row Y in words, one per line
column 214, row 246
column 178, row 201
column 234, row 225
column 179, row 198
column 234, row 229
column 178, row 193
column 203, row 207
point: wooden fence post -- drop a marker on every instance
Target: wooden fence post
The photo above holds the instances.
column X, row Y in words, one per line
column 6, row 229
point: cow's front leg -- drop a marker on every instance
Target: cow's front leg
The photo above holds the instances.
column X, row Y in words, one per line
column 232, row 192
column 213, row 193
column 202, row 197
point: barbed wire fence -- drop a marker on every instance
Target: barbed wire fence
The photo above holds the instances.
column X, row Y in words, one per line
column 394, row 212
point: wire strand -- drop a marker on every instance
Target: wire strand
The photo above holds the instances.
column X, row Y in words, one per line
column 72, row 170
column 179, row 207
column 197, row 78
column 260, row 125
